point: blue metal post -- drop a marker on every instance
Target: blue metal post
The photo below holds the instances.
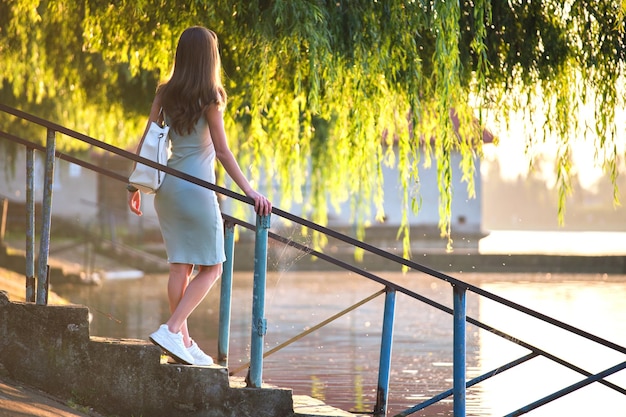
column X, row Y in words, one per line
column 459, row 350
column 226, row 290
column 259, row 324
column 384, row 367
column 30, row 225
column 44, row 247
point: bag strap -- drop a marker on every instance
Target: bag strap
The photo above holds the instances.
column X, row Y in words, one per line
column 161, row 118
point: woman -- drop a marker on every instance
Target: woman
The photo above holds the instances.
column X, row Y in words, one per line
column 192, row 100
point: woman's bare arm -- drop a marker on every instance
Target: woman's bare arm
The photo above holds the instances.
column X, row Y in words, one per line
column 223, row 153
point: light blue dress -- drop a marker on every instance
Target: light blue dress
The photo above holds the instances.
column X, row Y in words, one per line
column 189, row 215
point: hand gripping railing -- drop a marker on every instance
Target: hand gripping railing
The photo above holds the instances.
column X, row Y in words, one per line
column 459, row 288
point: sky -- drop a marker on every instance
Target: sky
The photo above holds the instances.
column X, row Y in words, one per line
column 514, row 157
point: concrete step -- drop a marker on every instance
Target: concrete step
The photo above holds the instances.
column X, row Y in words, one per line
column 305, row 406
column 49, row 348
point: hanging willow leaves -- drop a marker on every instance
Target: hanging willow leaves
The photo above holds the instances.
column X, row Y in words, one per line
column 322, row 93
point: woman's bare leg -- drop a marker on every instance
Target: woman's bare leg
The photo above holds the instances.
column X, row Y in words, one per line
column 184, row 302
column 180, row 275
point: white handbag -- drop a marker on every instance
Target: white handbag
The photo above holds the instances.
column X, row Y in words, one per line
column 156, row 148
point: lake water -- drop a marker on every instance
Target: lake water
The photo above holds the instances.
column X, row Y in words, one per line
column 339, row 363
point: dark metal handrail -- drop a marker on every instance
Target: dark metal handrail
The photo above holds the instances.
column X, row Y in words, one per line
column 388, row 284
column 289, row 216
column 459, row 287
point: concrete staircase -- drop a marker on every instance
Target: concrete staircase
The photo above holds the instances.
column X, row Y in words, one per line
column 49, row 347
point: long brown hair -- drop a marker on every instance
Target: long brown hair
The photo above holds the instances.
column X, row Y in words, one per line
column 195, row 82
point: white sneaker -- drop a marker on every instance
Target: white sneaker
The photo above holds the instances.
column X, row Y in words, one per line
column 172, row 344
column 199, row 357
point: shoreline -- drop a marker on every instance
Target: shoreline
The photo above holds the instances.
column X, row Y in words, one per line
column 68, row 265
column 14, row 284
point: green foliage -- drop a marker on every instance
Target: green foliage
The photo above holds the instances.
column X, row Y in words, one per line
column 323, row 92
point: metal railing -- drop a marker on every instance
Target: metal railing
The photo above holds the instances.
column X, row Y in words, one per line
column 259, row 326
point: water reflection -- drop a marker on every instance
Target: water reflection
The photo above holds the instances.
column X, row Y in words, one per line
column 595, row 307
column 338, row 364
